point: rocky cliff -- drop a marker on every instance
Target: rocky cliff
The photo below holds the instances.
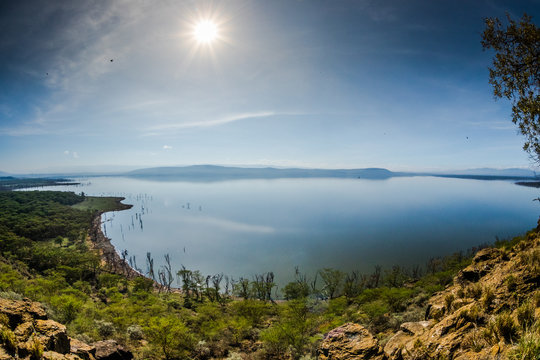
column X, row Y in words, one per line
column 26, row 333
column 491, row 311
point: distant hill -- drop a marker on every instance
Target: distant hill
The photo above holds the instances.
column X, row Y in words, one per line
column 213, row 172
column 513, row 172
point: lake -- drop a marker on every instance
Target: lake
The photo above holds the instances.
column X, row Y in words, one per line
column 247, row 227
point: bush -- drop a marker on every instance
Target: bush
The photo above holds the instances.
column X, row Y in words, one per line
column 475, row 341
column 36, row 349
column 170, row 336
column 295, row 290
column 67, row 307
column 528, row 348
column 505, row 327
column 525, row 315
column 474, row 291
column 448, row 301
column 104, row 328
column 487, row 298
column 134, row 332
column 7, row 339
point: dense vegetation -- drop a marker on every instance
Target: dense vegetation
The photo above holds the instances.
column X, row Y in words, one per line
column 11, row 183
column 44, row 256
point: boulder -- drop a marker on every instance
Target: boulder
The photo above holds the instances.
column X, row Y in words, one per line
column 51, row 355
column 82, row 350
column 110, row 350
column 24, row 330
column 53, row 336
column 19, row 311
column 485, row 255
column 415, row 328
column 435, row 311
column 350, row 341
column 396, row 344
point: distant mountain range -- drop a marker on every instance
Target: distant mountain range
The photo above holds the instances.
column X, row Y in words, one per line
column 214, row 172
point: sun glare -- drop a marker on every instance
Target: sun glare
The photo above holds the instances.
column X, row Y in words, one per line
column 205, row 31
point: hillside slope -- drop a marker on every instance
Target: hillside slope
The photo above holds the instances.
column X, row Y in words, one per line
column 491, row 311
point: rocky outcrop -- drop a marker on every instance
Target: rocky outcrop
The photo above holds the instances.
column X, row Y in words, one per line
column 26, row 333
column 110, row 350
column 479, row 316
column 350, row 341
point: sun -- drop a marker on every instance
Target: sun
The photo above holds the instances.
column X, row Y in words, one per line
column 205, row 31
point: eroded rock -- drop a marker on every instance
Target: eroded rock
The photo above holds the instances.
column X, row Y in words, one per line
column 110, row 350
column 350, row 341
column 53, row 336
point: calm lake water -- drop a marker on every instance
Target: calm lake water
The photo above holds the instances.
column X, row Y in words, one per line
column 244, row 227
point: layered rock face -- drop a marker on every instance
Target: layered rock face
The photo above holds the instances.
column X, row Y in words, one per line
column 26, row 333
column 491, row 304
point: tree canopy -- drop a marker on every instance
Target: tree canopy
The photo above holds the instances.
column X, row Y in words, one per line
column 515, row 73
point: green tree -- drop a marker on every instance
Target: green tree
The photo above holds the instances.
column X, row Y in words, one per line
column 515, row 73
column 333, row 280
column 171, row 336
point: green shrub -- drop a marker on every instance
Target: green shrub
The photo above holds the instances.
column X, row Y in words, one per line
column 67, row 307
column 505, row 327
column 487, row 297
column 291, row 333
column 170, row 336
column 528, row 348
column 295, row 290
column 252, row 310
column 104, row 328
column 448, row 301
column 525, row 315
column 474, row 291
column 473, row 314
column 474, row 340
column 134, row 332
column 36, row 349
column 7, row 339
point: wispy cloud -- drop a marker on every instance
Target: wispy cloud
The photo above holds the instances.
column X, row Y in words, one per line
column 210, row 123
column 167, row 147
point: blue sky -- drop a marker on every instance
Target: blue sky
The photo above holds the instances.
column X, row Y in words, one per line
column 333, row 84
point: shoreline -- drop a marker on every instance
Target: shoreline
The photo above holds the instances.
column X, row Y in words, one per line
column 110, row 259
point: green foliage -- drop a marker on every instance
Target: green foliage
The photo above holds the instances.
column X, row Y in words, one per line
column 504, row 327
column 254, row 311
column 67, row 306
column 333, row 280
column 170, row 336
column 36, row 349
column 515, row 73
column 295, row 290
column 525, row 315
column 487, row 297
column 528, row 347
column 474, row 291
column 7, row 339
column 291, row 333
column 475, row 340
column 142, row 284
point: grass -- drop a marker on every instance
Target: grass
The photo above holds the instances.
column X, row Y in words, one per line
column 94, row 203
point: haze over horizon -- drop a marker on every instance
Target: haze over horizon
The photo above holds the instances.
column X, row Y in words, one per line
column 94, row 86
